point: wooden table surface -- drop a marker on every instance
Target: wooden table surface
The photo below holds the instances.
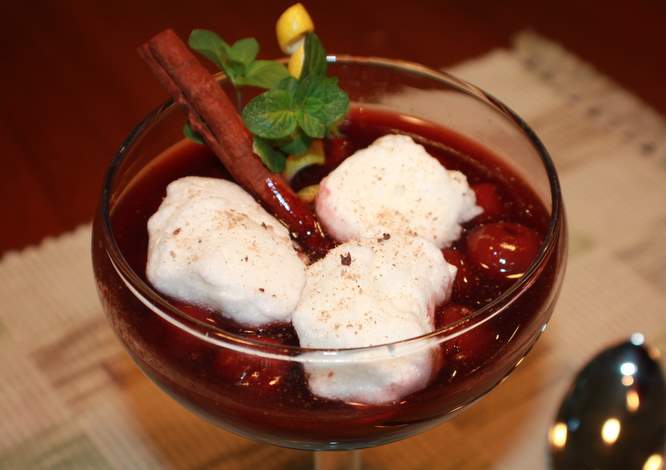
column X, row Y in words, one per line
column 73, row 86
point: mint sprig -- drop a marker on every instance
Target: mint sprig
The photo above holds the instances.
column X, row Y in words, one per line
column 262, row 74
column 272, row 158
column 271, row 115
column 238, row 61
column 314, row 61
column 313, row 103
column 296, row 144
column 292, row 112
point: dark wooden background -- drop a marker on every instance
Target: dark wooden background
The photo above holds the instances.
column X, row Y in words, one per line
column 73, row 86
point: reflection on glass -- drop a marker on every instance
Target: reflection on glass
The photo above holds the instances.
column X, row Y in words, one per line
column 637, row 339
column 654, row 462
column 628, row 368
column 654, row 353
column 557, row 435
column 633, row 400
column 610, row 430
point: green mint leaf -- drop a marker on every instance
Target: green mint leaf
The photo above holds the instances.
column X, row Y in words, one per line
column 264, row 74
column 289, row 84
column 321, row 103
column 271, row 115
column 273, row 159
column 244, row 51
column 210, row 45
column 312, row 126
column 233, row 60
column 297, row 144
column 235, row 71
column 314, row 62
column 190, row 134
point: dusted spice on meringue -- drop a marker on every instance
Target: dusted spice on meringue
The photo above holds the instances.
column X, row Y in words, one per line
column 394, row 185
column 211, row 244
column 367, row 293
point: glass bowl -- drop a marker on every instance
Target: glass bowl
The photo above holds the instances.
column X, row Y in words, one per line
column 179, row 353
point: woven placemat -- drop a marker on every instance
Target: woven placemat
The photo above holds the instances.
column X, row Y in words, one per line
column 71, row 398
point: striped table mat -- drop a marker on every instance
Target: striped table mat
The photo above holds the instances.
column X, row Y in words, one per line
column 71, row 398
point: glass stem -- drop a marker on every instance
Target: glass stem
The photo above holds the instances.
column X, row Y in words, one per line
column 338, row 460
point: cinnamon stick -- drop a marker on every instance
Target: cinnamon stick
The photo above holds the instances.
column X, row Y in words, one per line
column 214, row 117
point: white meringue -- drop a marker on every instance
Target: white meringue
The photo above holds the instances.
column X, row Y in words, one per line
column 212, row 244
column 367, row 293
column 393, row 186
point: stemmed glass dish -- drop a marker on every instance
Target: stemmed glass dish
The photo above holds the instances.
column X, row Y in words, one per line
column 178, row 352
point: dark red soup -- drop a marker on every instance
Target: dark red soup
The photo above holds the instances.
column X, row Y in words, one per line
column 270, row 399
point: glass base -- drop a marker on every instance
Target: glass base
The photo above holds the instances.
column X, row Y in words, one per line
column 338, row 460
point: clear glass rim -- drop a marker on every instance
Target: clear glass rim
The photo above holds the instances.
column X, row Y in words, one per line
column 222, row 338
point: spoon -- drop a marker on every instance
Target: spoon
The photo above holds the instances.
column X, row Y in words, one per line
column 614, row 414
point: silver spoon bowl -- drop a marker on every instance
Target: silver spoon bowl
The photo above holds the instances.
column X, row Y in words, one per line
column 614, row 414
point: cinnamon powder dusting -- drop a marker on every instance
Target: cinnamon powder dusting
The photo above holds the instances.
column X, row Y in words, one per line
column 384, row 237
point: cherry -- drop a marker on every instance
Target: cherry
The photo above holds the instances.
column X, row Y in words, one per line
column 198, row 313
column 503, row 250
column 463, row 281
column 337, row 149
column 472, row 346
column 183, row 341
column 488, row 198
column 248, row 370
